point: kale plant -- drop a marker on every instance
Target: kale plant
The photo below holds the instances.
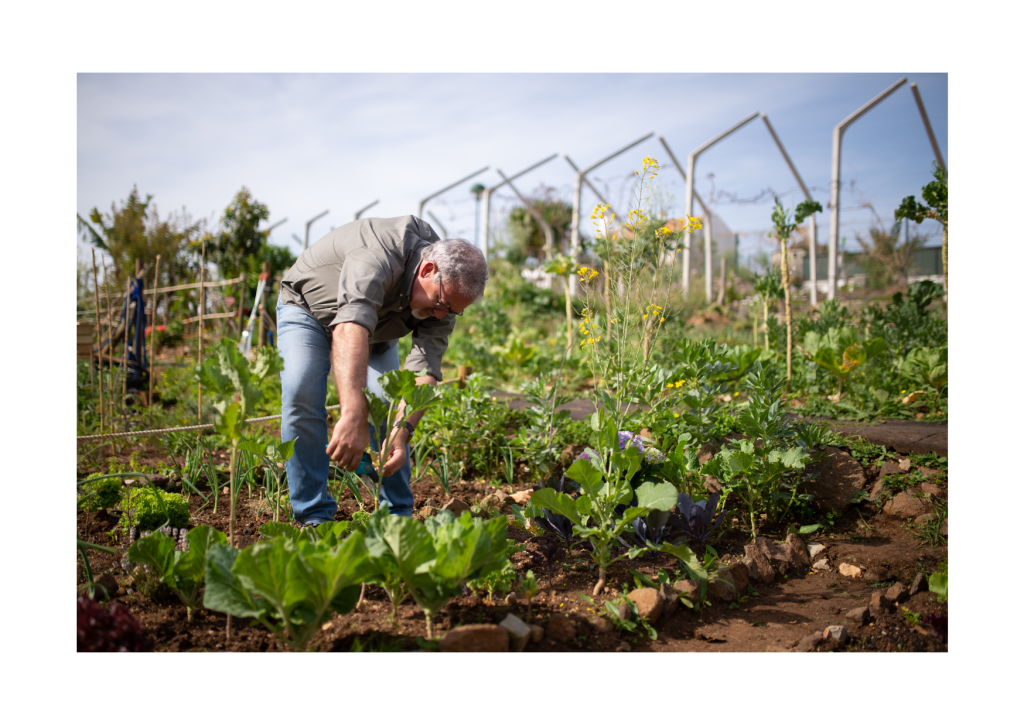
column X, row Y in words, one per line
column 183, row 572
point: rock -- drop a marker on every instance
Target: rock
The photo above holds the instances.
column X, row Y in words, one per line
column 740, row 576
column 814, row 548
column 536, row 633
column 625, row 612
column 877, row 574
column 931, row 487
column 106, row 586
column 798, row 551
column 809, row 643
column 622, row 647
column 848, row 570
column 511, row 599
column 857, row 616
column 897, row 593
column 905, row 504
column 561, row 629
column 931, row 473
column 518, row 632
column 649, row 603
column 426, row 512
column 837, row 633
column 601, row 624
column 821, row 566
column 225, row 490
column 879, row 604
column 877, row 489
column 688, row 589
column 456, row 506
column 920, row 584
column 779, row 557
column 475, row 639
column 723, row 588
column 890, row 467
column 671, row 599
column 521, row 498
column 707, row 452
column 840, row 476
column 752, row 573
column 763, row 568
column 905, row 464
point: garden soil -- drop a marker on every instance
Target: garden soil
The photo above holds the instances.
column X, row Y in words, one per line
column 768, row 618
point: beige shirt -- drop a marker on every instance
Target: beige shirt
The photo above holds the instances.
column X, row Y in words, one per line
column 362, row 272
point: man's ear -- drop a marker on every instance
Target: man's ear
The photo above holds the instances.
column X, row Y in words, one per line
column 427, row 269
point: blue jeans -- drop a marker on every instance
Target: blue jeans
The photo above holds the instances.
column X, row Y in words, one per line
column 306, row 350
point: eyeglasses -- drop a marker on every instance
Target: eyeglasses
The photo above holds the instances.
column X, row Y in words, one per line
column 442, row 307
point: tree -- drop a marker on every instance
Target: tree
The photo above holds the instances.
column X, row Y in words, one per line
column 526, row 238
column 239, row 247
column 134, row 231
column 935, row 195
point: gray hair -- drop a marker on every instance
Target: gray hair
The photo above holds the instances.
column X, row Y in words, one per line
column 462, row 263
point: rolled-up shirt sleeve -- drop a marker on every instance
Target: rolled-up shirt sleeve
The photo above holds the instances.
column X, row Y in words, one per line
column 360, row 290
column 429, row 342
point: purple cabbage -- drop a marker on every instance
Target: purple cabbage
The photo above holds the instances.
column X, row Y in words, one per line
column 696, row 520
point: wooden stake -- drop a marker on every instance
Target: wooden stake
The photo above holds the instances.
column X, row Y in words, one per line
column 152, row 340
column 99, row 337
column 202, row 299
column 110, row 336
column 263, row 297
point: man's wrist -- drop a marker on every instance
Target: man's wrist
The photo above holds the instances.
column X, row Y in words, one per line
column 405, row 426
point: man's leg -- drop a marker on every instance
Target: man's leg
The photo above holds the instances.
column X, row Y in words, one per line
column 306, row 350
column 396, row 490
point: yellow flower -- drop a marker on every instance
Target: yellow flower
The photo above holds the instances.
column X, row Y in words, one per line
column 676, row 415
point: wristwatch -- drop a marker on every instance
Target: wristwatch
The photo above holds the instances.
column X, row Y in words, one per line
column 407, row 426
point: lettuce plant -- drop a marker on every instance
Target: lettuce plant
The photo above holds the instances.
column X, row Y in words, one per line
column 605, row 483
column 290, row 587
column 183, row 572
column 840, row 351
column 149, row 508
column 927, row 367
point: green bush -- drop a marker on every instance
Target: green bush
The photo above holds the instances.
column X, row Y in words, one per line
column 152, row 508
column 103, row 494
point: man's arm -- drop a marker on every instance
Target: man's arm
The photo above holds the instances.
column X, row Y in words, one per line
column 350, row 354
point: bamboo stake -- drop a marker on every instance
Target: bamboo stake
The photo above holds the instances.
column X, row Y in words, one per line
column 152, row 340
column 789, row 317
column 99, row 338
column 110, row 335
column 202, row 270
column 124, row 358
column 263, row 296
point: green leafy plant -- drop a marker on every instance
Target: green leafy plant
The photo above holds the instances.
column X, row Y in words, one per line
column 273, row 454
column 769, row 290
column 927, row 367
column 434, row 560
column 528, row 588
column 183, row 572
column 605, row 484
column 762, row 470
column 290, row 587
column 400, row 388
column 149, row 508
column 938, row 582
column 783, row 228
column 935, row 195
column 234, row 385
column 840, row 351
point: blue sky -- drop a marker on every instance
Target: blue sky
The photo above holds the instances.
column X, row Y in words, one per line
column 306, row 143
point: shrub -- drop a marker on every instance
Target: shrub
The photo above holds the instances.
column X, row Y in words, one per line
column 151, row 508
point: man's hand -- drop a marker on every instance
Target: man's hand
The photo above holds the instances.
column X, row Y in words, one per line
column 396, row 451
column 348, row 442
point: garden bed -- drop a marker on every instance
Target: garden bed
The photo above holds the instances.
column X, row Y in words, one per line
column 775, row 617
